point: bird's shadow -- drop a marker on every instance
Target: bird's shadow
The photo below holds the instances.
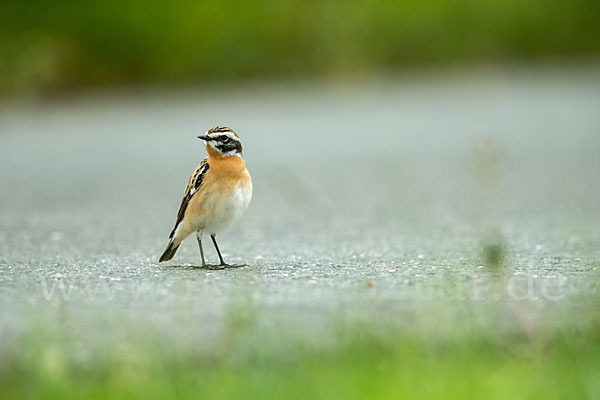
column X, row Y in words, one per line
column 210, row 267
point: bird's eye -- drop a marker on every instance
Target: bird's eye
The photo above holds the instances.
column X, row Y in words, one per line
column 225, row 139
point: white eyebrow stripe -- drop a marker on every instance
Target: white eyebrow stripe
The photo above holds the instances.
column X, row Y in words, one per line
column 230, row 135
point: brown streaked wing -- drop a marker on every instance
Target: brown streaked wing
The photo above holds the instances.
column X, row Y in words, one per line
column 192, row 187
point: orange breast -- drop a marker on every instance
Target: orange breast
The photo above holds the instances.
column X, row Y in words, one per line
column 223, row 177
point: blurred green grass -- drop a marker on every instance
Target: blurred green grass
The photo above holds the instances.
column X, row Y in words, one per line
column 54, row 46
column 566, row 365
column 552, row 362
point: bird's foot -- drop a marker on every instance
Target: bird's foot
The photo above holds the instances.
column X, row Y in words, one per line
column 217, row 267
column 214, row 267
column 224, row 265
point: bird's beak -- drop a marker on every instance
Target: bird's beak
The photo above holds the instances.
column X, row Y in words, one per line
column 204, row 137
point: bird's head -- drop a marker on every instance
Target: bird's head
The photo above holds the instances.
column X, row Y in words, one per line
column 224, row 140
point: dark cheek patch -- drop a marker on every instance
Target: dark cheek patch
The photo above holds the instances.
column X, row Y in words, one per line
column 223, row 148
column 226, row 148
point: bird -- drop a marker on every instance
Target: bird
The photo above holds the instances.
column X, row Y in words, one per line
column 217, row 194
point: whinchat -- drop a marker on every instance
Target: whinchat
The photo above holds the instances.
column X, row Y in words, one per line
column 217, row 193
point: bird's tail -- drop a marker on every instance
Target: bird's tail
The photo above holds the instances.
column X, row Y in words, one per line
column 169, row 251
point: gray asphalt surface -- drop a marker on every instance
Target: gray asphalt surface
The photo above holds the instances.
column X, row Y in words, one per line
column 372, row 203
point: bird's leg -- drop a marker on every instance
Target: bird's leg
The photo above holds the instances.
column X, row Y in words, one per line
column 214, row 240
column 199, row 237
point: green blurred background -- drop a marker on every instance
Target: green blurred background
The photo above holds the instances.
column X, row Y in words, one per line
column 57, row 46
